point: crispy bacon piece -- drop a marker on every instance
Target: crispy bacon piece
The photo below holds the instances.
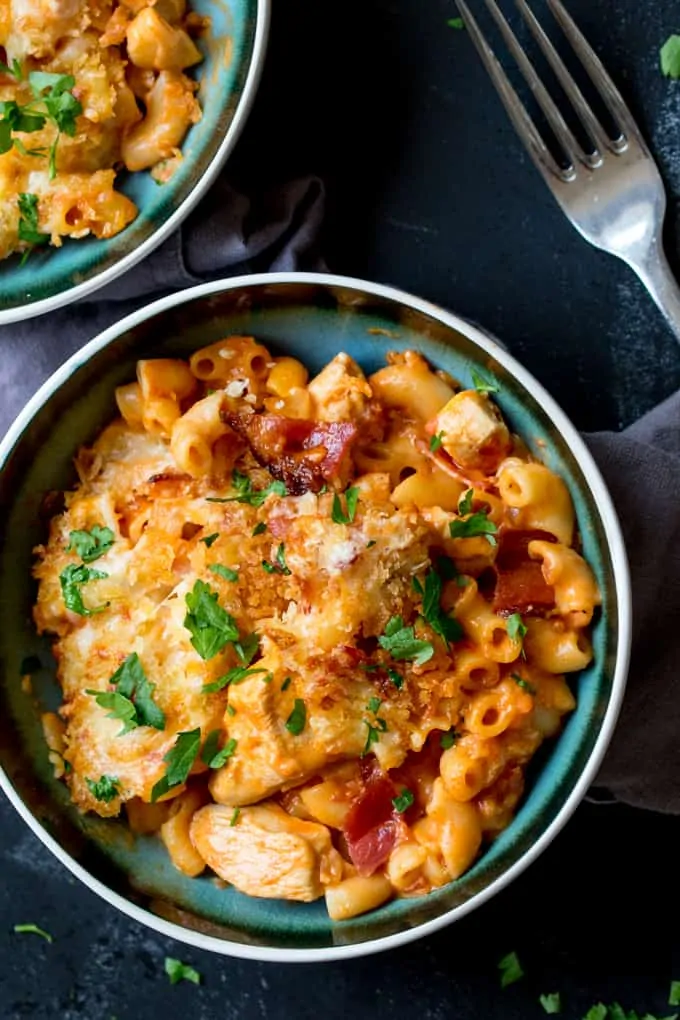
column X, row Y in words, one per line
column 520, row 585
column 372, row 825
column 304, row 455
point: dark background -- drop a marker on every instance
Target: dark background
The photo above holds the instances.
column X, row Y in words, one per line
column 429, row 190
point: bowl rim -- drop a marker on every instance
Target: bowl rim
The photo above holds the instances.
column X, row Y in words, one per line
column 80, row 290
column 622, row 588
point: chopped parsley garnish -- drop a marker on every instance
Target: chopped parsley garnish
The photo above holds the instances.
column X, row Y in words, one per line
column 369, row 545
column 27, row 227
column 401, row 642
column 552, row 1002
column 259, row 529
column 524, row 684
column 674, row 994
column 481, row 384
column 465, row 503
column 92, row 544
column 15, row 71
column 517, row 630
column 373, row 734
column 247, row 648
column 338, row 515
column 211, row 754
column 436, row 442
column 29, row 664
column 510, row 969
column 456, row 23
column 178, row 971
column 403, row 801
column 396, row 678
column 226, row 572
column 235, row 676
column 71, row 579
column 209, row 539
column 373, row 705
column 132, row 701
column 269, row 567
column 104, row 789
column 234, row 817
column 211, row 627
column 231, row 710
column 295, row 723
column 670, row 57
column 447, row 627
column 246, row 493
column 597, row 1012
column 286, row 683
column 33, row 929
column 474, row 525
column 281, row 559
column 53, row 103
column 180, row 760
column 447, row 740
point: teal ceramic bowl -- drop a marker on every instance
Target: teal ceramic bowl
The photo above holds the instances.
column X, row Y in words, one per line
column 234, row 52
column 311, row 317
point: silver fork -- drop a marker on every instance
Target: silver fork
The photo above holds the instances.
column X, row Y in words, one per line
column 614, row 194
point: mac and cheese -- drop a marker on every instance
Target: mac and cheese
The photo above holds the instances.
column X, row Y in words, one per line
column 312, row 642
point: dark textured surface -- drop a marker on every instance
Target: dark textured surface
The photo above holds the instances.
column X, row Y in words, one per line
column 429, row 190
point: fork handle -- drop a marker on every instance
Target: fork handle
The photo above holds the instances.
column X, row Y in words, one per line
column 658, row 278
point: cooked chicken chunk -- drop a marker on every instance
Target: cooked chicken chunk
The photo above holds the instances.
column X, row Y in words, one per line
column 472, row 431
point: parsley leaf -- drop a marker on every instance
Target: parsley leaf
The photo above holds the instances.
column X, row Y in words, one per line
column 246, row 493
column 52, row 102
column 178, row 971
column 71, row 579
column 234, row 817
column 234, row 676
column 15, row 71
column 286, row 683
column 670, row 57
column 104, row 789
column 121, row 708
column 180, row 759
column 402, row 802
column 131, row 681
column 33, row 929
column 401, row 642
column 27, row 227
column 259, row 529
column 295, row 723
column 247, row 648
column 476, row 524
column 597, row 1012
column 436, row 442
column 231, row 710
column 211, row 753
column 511, row 969
column 517, row 630
column 674, row 994
column 552, row 1003
column 396, row 678
column 447, row 740
column 456, row 23
column 209, row 539
column 338, row 515
column 211, row 627
column 447, row 627
column 481, row 384
column 92, row 544
column 524, row 684
column 373, row 705
column 226, row 572
column 372, row 737
column 465, row 503
column 281, row 559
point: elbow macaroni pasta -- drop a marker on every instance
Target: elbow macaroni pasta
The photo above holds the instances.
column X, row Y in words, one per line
column 324, row 601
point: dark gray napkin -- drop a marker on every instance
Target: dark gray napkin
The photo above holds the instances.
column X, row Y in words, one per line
column 642, row 469
column 228, row 234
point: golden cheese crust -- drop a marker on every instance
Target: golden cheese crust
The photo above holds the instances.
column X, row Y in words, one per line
column 355, row 675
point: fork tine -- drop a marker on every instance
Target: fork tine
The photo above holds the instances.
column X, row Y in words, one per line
column 596, row 72
column 524, row 125
column 595, row 130
column 547, row 104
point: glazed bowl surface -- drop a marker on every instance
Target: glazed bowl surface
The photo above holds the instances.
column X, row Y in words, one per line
column 311, row 317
